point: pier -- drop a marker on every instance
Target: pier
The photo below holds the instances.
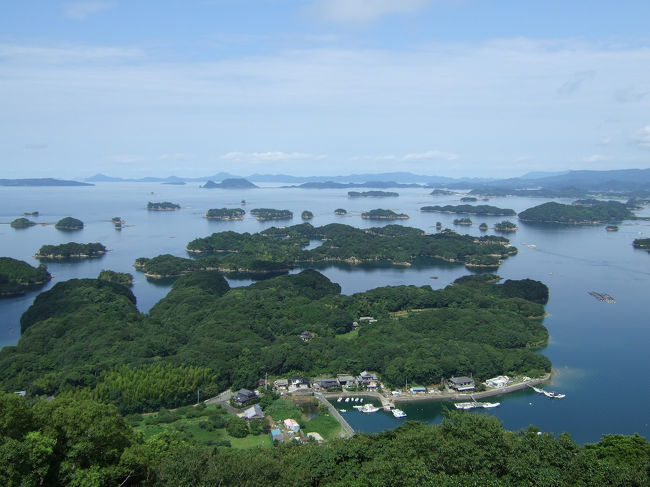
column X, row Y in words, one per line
column 334, row 412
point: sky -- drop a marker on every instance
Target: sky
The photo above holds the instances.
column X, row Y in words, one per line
column 489, row 88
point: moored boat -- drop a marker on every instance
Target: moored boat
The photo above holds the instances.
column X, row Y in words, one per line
column 368, row 408
column 398, row 413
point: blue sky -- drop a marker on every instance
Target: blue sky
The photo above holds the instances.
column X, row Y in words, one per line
column 439, row 87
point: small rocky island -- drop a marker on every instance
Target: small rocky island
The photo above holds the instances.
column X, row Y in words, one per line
column 69, row 223
column 463, row 221
column 372, row 194
column 483, row 227
column 17, row 276
column 22, row 223
column 163, row 206
column 306, row 215
column 642, row 243
column 232, row 183
column 225, row 214
column 122, row 278
column 505, row 226
column 71, row 250
column 469, row 199
column 380, row 214
column 482, row 210
column 340, row 211
column 266, row 214
column 611, row 228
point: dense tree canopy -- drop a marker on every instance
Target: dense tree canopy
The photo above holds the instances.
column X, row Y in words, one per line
column 586, row 212
column 483, row 210
column 18, row 277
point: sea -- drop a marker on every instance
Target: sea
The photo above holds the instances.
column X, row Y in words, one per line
column 599, row 350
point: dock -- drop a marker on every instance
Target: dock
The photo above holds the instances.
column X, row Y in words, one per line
column 349, row 431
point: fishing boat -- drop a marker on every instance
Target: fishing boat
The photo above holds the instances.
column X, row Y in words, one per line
column 357, row 406
column 347, row 399
column 489, row 405
column 466, row 405
column 339, row 399
column 343, row 410
column 368, row 408
column 361, row 400
column 398, row 413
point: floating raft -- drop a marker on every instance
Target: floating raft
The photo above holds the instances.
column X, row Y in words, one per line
column 602, row 297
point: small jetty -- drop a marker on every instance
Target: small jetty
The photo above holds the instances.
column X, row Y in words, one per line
column 602, row 297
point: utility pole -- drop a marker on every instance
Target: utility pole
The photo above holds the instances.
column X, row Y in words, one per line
column 197, row 396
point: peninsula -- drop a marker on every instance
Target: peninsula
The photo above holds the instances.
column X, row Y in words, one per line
column 372, row 194
column 17, row 276
column 581, row 212
column 225, row 214
column 69, row 223
column 380, row 214
column 482, row 210
column 163, row 206
column 71, row 250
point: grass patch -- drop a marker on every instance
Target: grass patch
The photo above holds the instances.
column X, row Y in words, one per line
column 250, row 441
column 324, row 424
column 349, row 335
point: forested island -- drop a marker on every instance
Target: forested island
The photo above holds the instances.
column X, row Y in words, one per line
column 230, row 183
column 41, row 182
column 225, row 214
column 468, row 199
column 505, row 226
column 22, row 223
column 483, row 227
column 372, row 194
column 340, row 211
column 380, row 214
column 642, row 243
column 265, row 214
column 122, row 278
column 17, row 276
column 482, row 210
column 163, row 206
column 582, row 212
column 441, row 192
column 71, row 250
column 306, row 215
column 463, row 221
column 69, row 223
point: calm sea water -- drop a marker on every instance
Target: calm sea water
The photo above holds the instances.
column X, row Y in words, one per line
column 599, row 350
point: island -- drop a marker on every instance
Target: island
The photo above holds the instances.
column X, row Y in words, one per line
column 175, row 183
column 463, row 221
column 71, row 250
column 117, row 222
column 482, row 210
column 163, row 206
column 380, row 214
column 642, row 243
column 438, row 225
column 265, row 214
column 31, row 213
column 18, row 277
column 611, row 228
column 69, row 223
column 306, row 215
column 468, row 199
column 505, row 226
column 230, row 183
column 225, row 214
column 41, row 182
column 22, row 223
column 483, row 227
column 442, row 192
column 372, row 194
column 122, row 278
column 340, row 211
column 582, row 212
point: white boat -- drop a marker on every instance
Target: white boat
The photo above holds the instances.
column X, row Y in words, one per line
column 339, row 399
column 398, row 413
column 347, row 399
column 537, row 390
column 465, row 405
column 361, row 400
column 489, row 405
column 368, row 408
column 343, row 410
column 356, row 406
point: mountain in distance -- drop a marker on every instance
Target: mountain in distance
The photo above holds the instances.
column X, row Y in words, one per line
column 102, row 178
column 41, row 182
column 543, row 174
column 230, row 183
column 369, row 184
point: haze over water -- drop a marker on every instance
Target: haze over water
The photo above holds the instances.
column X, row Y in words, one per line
column 598, row 350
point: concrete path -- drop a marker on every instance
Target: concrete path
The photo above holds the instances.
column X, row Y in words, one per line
column 333, row 411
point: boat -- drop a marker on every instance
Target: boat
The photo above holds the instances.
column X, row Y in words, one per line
column 343, row 410
column 489, row 405
column 356, row 406
column 347, row 399
column 361, row 400
column 476, row 404
column 368, row 408
column 554, row 395
column 398, row 413
column 339, row 399
column 537, row 390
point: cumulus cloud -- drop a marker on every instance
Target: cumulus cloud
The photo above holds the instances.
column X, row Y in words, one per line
column 642, row 137
column 364, row 11
column 574, row 84
column 81, row 10
column 271, row 156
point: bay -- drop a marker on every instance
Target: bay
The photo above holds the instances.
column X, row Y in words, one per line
column 599, row 350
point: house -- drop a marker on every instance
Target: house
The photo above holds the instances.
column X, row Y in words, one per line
column 305, row 336
column 301, row 439
column 253, row 412
column 461, row 383
column 500, row 381
column 369, row 319
column 355, row 325
column 292, row 425
column 365, row 378
column 418, row 390
column 346, row 380
column 276, row 435
column 298, row 382
column 281, row 385
column 244, row 395
column 328, row 383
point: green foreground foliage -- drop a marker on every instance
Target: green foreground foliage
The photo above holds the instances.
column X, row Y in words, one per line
column 84, row 443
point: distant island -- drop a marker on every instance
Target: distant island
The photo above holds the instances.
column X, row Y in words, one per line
column 582, row 212
column 122, row 278
column 22, row 223
column 17, row 276
column 231, row 183
column 163, row 206
column 463, row 221
column 380, row 214
column 642, row 243
column 69, row 223
column 441, row 192
column 468, row 199
column 482, row 210
column 225, row 214
column 71, row 250
column 505, row 226
column 175, row 183
column 483, row 227
column 41, row 182
column 372, row 194
column 265, row 214
column 368, row 184
column 611, row 228
column 32, row 213
column 340, row 211
column 306, row 215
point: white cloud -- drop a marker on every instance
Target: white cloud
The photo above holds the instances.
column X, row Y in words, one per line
column 595, row 158
column 363, row 11
column 81, row 10
column 432, row 154
column 642, row 137
column 45, row 55
column 258, row 157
